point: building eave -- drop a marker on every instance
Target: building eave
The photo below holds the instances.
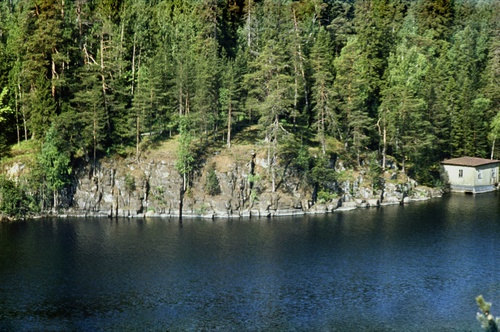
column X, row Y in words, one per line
column 470, row 161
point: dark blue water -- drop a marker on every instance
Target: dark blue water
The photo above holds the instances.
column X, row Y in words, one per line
column 412, row 268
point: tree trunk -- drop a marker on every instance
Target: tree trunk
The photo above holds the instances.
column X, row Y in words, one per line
column 94, row 139
column 383, row 133
column 229, row 116
column 122, row 36
column 138, row 111
column 23, row 113
column 181, row 200
column 249, row 23
column 493, row 147
column 133, row 65
column 274, row 157
column 301, row 63
column 54, row 77
column 137, row 136
column 18, row 129
column 103, row 81
column 180, row 101
column 384, row 149
column 54, row 208
column 323, row 115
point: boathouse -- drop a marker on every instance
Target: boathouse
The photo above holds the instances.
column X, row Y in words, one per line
column 470, row 174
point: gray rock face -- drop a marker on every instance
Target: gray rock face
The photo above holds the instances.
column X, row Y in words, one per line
column 151, row 188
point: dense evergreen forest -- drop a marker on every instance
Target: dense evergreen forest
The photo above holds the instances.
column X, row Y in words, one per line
column 399, row 81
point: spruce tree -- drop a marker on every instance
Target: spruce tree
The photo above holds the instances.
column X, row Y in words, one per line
column 403, row 107
column 230, row 95
column 90, row 113
column 351, row 92
column 271, row 93
column 54, row 160
column 321, row 59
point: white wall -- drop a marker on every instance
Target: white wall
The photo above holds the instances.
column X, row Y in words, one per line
column 471, row 175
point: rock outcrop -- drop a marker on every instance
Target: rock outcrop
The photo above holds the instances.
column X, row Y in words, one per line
column 151, row 188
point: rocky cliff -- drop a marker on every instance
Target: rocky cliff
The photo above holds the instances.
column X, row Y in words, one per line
column 151, row 187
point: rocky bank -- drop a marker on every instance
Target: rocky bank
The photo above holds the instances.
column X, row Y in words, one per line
column 151, row 187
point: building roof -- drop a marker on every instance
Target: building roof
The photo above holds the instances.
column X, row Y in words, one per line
column 469, row 161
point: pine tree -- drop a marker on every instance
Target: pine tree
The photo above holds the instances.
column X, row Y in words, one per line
column 322, row 73
column 351, row 91
column 491, row 74
column 41, row 106
column 230, row 95
column 464, row 82
column 4, row 111
column 185, row 155
column 105, row 52
column 15, row 49
column 377, row 23
column 271, row 95
column 206, row 85
column 403, row 107
column 89, row 111
column 54, row 160
column 435, row 17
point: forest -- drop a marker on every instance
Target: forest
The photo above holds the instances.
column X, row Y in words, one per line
column 400, row 82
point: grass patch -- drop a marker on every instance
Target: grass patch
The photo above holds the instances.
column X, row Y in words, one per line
column 24, row 152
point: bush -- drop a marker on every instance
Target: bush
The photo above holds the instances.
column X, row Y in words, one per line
column 376, row 173
column 129, row 183
column 4, row 147
column 13, row 202
column 324, row 196
column 212, row 185
column 488, row 322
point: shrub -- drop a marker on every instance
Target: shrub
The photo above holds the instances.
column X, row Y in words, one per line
column 324, row 196
column 13, row 202
column 129, row 183
column 212, row 185
column 488, row 322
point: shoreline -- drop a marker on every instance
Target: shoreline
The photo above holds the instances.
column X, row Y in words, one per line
column 316, row 209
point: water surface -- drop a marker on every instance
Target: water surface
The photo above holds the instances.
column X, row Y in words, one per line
column 397, row 268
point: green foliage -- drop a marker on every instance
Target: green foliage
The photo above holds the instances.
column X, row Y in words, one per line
column 322, row 64
column 418, row 79
column 254, row 196
column 320, row 174
column 129, row 183
column 4, row 147
column 483, row 305
column 293, row 153
column 352, row 91
column 185, row 153
column 376, row 173
column 55, row 160
column 488, row 322
column 253, row 179
column 325, row 196
column 4, row 109
column 13, row 201
column 212, row 185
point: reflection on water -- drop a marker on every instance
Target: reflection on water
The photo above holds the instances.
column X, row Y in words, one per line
column 412, row 268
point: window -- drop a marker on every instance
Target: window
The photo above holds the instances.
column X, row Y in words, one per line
column 479, row 175
column 460, row 173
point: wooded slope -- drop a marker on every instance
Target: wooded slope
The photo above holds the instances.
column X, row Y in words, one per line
column 412, row 82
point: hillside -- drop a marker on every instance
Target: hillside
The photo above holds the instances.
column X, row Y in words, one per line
column 151, row 185
column 325, row 89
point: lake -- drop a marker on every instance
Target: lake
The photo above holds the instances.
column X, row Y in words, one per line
column 416, row 267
